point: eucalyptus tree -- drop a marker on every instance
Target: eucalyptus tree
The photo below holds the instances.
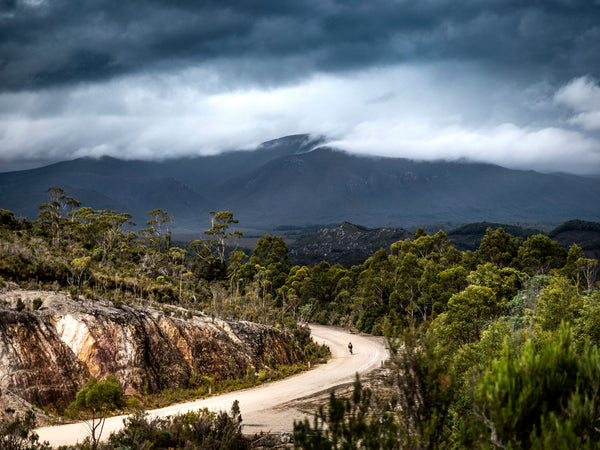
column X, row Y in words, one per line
column 157, row 234
column 103, row 229
column 268, row 266
column 209, row 254
column 498, row 247
column 52, row 213
column 98, row 399
column 539, row 254
column 219, row 233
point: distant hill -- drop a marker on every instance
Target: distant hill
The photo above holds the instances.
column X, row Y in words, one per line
column 176, row 186
column 296, row 181
column 468, row 237
column 346, row 244
column 585, row 234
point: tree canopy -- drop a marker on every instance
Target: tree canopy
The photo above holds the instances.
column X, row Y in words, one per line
column 98, row 399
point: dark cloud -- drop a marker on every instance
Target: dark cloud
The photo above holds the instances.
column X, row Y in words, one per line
column 505, row 81
column 49, row 43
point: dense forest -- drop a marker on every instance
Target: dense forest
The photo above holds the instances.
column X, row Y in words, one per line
column 496, row 347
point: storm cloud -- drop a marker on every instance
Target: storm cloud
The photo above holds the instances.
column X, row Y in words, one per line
column 509, row 82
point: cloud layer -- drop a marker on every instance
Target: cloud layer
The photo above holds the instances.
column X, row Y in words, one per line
column 506, row 82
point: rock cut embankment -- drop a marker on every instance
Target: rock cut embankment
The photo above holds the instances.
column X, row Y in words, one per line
column 47, row 354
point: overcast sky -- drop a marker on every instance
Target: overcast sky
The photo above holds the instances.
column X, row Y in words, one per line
column 515, row 83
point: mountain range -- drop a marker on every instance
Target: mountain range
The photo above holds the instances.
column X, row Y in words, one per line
column 299, row 180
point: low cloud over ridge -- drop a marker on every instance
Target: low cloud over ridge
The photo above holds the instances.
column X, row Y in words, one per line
column 502, row 82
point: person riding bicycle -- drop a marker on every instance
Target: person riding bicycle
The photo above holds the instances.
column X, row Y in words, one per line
column 350, row 347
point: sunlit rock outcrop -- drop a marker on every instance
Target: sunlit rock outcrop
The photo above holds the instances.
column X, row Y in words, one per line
column 34, row 362
column 48, row 353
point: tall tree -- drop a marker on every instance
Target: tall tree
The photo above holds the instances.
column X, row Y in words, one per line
column 498, row 247
column 54, row 210
column 101, row 228
column 468, row 313
column 558, row 302
column 588, row 270
column 219, row 233
column 540, row 254
column 271, row 252
column 158, row 234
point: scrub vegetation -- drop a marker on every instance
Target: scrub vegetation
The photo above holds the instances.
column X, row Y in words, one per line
column 493, row 348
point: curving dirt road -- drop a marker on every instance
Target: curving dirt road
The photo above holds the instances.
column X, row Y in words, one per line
column 269, row 407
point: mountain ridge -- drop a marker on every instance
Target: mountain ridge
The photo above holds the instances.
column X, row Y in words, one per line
column 298, row 180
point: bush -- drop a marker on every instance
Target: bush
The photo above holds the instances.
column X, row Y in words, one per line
column 196, row 429
column 348, row 423
column 98, row 399
column 20, row 305
column 542, row 396
column 37, row 303
column 16, row 433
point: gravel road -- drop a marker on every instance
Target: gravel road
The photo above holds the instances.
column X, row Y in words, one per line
column 269, row 407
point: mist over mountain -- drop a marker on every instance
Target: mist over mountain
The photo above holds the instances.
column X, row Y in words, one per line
column 296, row 180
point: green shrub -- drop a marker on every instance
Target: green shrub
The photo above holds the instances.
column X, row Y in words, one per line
column 98, row 399
column 17, row 432
column 541, row 396
column 196, row 429
column 347, row 424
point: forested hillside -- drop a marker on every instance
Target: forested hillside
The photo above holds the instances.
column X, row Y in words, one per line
column 494, row 347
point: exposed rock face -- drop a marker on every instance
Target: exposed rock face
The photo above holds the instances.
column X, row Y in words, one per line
column 47, row 355
column 34, row 362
